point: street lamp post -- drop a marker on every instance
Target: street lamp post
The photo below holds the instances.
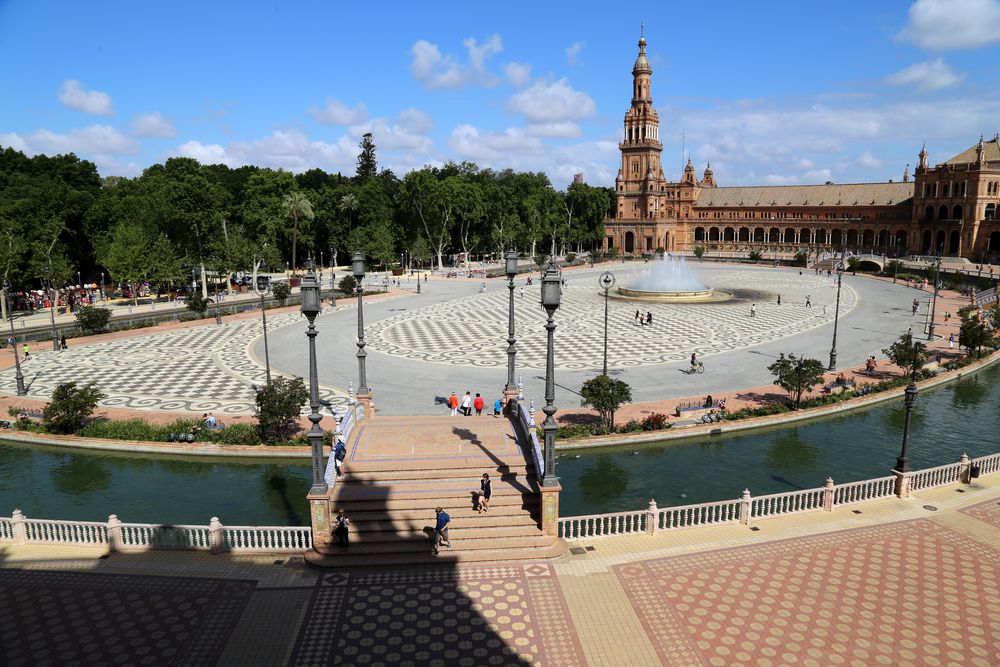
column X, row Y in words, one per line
column 263, row 319
column 836, row 318
column 103, row 297
column 310, row 308
column 54, row 293
column 607, row 282
column 358, row 268
column 902, row 461
column 551, row 295
column 511, row 386
column 218, row 314
column 937, row 280
column 18, row 375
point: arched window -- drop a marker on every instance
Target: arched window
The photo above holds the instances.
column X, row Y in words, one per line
column 943, row 212
column 956, row 213
column 991, row 212
column 929, row 213
column 699, row 233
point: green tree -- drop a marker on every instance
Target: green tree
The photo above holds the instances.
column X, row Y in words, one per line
column 974, row 334
column 699, row 251
column 278, row 406
column 429, row 199
column 70, row 406
column 796, row 375
column 908, row 354
column 132, row 252
column 367, row 164
column 281, row 291
column 297, row 205
column 606, row 395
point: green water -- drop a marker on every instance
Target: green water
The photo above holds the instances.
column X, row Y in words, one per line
column 48, row 482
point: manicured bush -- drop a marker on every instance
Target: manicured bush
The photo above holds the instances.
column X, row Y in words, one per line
column 278, row 407
column 93, row 319
column 631, row 426
column 234, row 434
column 655, row 422
column 347, row 285
column 70, row 406
column 281, row 291
column 756, row 255
column 198, row 304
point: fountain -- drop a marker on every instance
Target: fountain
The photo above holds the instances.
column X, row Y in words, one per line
column 669, row 279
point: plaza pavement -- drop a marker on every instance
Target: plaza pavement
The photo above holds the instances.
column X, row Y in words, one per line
column 451, row 338
column 887, row 582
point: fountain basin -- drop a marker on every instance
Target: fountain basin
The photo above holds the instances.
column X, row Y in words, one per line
column 664, row 296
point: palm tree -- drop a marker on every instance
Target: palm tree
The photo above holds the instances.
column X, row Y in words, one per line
column 296, row 204
column 348, row 205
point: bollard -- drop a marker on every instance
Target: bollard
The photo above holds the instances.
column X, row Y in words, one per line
column 828, row 495
column 745, row 508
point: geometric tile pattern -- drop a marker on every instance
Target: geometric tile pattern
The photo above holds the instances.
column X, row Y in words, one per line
column 465, row 331
column 454, row 616
column 913, row 593
column 204, row 368
column 67, row 618
column 988, row 512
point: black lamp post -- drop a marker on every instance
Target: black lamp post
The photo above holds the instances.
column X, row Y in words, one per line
column 19, row 376
column 263, row 319
column 218, row 314
column 607, row 282
column 551, row 295
column 511, row 351
column 910, row 393
column 836, row 318
column 103, row 297
column 937, row 280
column 358, row 268
column 54, row 293
column 311, row 308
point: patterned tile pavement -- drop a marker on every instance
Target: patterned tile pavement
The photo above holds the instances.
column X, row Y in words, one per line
column 910, row 593
column 988, row 512
column 464, row 616
column 464, row 331
column 66, row 618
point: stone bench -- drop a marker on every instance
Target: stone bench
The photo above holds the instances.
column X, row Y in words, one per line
column 693, row 412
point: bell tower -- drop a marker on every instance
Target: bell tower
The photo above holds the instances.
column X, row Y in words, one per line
column 641, row 171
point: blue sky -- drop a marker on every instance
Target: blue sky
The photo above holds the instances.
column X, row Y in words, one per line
column 769, row 92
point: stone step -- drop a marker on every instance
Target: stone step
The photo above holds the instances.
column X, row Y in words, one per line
column 428, row 504
column 443, row 489
column 460, row 534
column 424, row 542
column 512, row 515
column 361, row 472
column 349, row 558
column 468, row 465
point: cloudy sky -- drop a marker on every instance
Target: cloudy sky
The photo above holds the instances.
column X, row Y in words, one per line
column 769, row 92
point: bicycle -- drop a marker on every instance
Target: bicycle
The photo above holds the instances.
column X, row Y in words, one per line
column 695, row 368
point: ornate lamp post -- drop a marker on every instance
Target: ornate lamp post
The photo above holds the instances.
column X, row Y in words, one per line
column 263, row 319
column 54, row 293
column 937, row 280
column 836, row 318
column 19, row 376
column 607, row 282
column 358, row 268
column 311, row 308
column 910, row 393
column 551, row 295
column 510, row 389
column 103, row 297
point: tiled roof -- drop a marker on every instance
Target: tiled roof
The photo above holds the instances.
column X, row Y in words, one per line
column 990, row 154
column 838, row 194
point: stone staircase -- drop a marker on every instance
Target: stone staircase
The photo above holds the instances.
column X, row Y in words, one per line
column 399, row 469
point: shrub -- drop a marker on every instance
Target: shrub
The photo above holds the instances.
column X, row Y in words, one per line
column 235, row 434
column 122, row 429
column 347, row 284
column 198, row 304
column 571, row 257
column 93, row 319
column 606, row 396
column 631, row 426
column 756, row 255
column 70, row 406
column 699, row 251
column 281, row 291
column 540, row 259
column 801, row 258
column 655, row 422
column 278, row 407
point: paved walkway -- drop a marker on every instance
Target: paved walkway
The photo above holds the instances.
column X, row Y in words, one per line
column 892, row 582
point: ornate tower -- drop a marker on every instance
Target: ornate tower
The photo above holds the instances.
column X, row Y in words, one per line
column 641, row 173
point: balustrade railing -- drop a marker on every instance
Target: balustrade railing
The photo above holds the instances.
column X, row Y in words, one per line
column 83, row 533
column 533, row 444
column 744, row 510
column 268, row 540
column 143, row 536
column 866, row 489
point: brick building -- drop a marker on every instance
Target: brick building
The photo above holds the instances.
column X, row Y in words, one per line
column 950, row 207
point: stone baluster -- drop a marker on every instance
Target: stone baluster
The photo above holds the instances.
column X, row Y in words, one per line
column 828, row 495
column 652, row 516
column 745, row 508
column 114, row 534
column 215, row 528
column 19, row 528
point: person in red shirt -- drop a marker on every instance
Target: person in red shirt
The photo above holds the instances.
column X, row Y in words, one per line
column 453, row 404
column 478, row 404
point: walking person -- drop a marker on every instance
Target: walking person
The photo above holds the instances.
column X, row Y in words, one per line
column 808, row 301
column 649, row 318
column 467, row 404
column 951, row 341
column 453, row 404
column 479, row 404
column 62, row 343
column 779, row 299
column 521, row 292
column 637, row 317
column 341, row 528
column 485, row 491
column 753, row 310
column 497, row 407
column 441, row 530
column 339, row 456
column 24, row 349
column 916, row 304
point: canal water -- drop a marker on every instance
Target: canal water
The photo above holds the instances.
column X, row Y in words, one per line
column 55, row 483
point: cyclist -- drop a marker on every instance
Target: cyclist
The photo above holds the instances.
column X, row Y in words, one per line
column 694, row 360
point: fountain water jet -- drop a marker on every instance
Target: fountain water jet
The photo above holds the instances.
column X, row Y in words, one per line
column 669, row 279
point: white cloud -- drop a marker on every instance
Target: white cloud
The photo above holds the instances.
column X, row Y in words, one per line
column 517, row 74
column 469, row 142
column 551, row 102
column 291, row 150
column 940, row 25
column 805, row 163
column 337, row 113
column 88, row 142
column 573, row 53
column 563, row 130
column 415, row 120
column 436, row 70
column 868, row 161
column 152, row 125
column 73, row 95
column 927, row 76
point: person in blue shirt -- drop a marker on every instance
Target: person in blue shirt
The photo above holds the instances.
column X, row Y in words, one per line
column 339, row 456
column 441, row 530
column 497, row 407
